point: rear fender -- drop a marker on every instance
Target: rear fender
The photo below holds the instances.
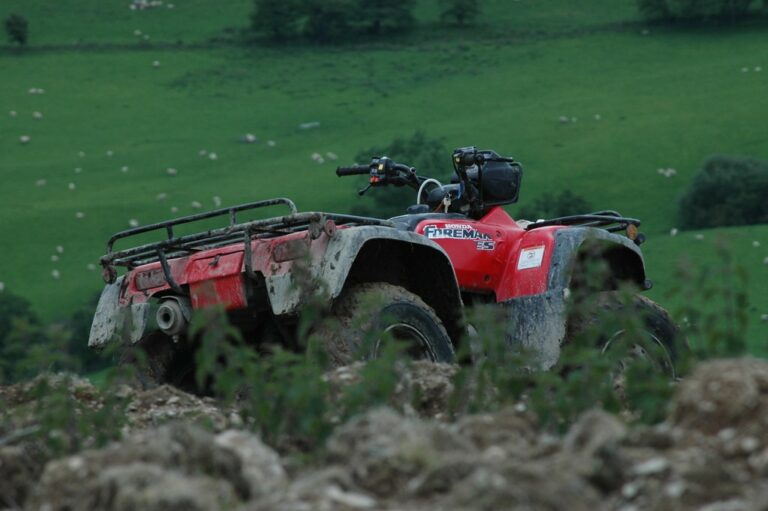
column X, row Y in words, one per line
column 372, row 253
column 112, row 322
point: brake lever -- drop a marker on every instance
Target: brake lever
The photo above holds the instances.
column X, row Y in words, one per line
column 362, row 191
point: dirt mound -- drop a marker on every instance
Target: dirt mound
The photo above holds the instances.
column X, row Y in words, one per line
column 24, row 393
column 20, row 467
column 711, row 454
column 173, row 467
column 423, row 387
column 385, row 451
column 708, row 456
column 384, row 460
column 165, row 404
column 44, row 411
column 23, row 449
column 722, row 395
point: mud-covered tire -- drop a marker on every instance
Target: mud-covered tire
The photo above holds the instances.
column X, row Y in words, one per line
column 660, row 340
column 364, row 312
column 157, row 360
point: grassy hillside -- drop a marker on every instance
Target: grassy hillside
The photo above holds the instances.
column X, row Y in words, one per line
column 639, row 101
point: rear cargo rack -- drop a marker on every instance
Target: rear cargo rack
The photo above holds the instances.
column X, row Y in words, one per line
column 611, row 221
column 177, row 246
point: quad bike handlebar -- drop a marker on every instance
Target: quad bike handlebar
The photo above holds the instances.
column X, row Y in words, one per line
column 383, row 171
column 354, row 170
column 467, row 193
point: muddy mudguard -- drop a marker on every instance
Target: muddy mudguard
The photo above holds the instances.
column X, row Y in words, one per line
column 113, row 322
column 333, row 265
column 537, row 324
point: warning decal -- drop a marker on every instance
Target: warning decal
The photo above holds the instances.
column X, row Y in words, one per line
column 530, row 258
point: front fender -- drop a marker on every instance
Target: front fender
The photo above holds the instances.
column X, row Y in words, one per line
column 537, row 323
column 571, row 242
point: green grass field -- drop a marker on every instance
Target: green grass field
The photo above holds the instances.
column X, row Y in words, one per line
column 640, row 102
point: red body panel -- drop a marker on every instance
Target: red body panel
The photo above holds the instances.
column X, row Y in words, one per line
column 216, row 276
column 490, row 255
column 217, row 280
column 486, row 253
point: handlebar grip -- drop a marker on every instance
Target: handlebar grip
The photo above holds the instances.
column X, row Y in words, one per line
column 354, row 170
column 402, row 168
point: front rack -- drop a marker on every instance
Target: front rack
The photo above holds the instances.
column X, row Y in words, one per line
column 611, row 221
column 177, row 246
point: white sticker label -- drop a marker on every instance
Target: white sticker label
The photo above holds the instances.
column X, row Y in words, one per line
column 530, row 258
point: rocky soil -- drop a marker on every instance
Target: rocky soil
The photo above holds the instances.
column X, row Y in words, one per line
column 181, row 452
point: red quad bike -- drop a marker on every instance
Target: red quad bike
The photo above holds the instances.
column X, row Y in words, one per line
column 455, row 247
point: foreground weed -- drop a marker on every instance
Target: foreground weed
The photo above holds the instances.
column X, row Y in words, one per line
column 286, row 396
column 280, row 394
column 608, row 360
column 715, row 311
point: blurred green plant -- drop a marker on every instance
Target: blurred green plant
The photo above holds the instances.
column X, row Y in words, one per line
column 600, row 365
column 280, row 394
column 70, row 420
column 61, row 410
column 286, row 396
column 715, row 314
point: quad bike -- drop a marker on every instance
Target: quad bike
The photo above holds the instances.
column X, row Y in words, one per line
column 456, row 247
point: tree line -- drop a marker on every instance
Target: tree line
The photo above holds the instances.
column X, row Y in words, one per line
column 336, row 20
column 697, row 10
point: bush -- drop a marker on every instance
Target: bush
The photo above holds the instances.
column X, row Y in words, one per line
column 693, row 10
column 727, row 190
column 79, row 326
column 16, row 27
column 459, row 12
column 430, row 157
column 279, row 19
column 653, row 10
column 328, row 20
column 13, row 306
column 27, row 346
column 552, row 205
column 381, row 16
column 17, row 319
column 724, row 9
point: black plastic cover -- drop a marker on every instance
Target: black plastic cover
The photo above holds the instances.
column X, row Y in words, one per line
column 499, row 180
